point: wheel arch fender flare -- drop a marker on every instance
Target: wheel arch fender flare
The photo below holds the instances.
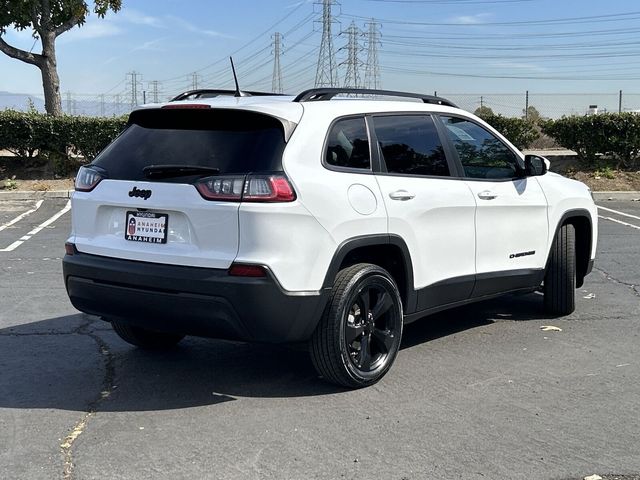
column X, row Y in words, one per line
column 583, row 246
column 383, row 240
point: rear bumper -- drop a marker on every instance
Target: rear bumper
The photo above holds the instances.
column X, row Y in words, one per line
column 190, row 300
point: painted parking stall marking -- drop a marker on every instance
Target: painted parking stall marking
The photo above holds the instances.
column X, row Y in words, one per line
column 21, row 216
column 37, row 229
column 615, row 220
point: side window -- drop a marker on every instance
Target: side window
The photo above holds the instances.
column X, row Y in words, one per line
column 348, row 144
column 481, row 153
column 410, row 145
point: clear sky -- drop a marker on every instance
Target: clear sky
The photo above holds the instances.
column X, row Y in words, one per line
column 457, row 46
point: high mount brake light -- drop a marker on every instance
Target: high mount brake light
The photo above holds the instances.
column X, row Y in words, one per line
column 182, row 106
column 252, row 188
column 87, row 179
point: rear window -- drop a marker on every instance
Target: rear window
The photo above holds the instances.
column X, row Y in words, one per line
column 235, row 142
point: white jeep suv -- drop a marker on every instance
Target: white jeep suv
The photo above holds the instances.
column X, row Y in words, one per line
column 316, row 219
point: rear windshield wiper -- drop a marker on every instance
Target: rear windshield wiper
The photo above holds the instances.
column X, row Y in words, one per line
column 172, row 171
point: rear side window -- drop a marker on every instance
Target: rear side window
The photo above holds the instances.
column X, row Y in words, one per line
column 235, row 142
column 348, row 144
column 410, row 145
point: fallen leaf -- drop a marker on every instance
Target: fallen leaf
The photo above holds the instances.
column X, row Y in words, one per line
column 550, row 328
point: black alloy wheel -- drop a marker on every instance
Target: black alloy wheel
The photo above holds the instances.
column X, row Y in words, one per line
column 359, row 334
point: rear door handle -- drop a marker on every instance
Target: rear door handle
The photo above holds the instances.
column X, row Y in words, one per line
column 487, row 195
column 401, row 195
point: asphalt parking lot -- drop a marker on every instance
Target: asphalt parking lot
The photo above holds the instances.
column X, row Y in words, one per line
column 478, row 392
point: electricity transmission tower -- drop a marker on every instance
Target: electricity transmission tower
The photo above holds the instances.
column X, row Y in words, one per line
column 326, row 71
column 134, row 87
column 195, row 78
column 372, row 67
column 352, row 76
column 276, row 83
column 155, row 90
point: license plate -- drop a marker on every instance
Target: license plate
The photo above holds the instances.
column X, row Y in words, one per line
column 146, row 227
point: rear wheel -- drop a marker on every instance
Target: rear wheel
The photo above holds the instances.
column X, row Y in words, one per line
column 144, row 338
column 560, row 277
column 358, row 337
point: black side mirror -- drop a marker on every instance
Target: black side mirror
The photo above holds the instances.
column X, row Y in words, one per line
column 535, row 165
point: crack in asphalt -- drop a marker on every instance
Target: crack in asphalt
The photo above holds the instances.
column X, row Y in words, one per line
column 633, row 287
column 66, row 447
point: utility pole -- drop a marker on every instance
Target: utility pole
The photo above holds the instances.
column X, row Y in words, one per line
column 153, row 86
column 372, row 67
column 352, row 77
column 134, row 87
column 326, row 72
column 620, row 102
column 276, row 82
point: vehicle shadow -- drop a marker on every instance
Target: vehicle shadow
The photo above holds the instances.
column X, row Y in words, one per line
column 73, row 361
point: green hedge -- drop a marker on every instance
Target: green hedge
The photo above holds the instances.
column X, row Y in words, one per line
column 522, row 133
column 610, row 139
column 56, row 142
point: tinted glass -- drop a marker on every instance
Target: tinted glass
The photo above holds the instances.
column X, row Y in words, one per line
column 348, row 144
column 232, row 141
column 481, row 153
column 410, row 145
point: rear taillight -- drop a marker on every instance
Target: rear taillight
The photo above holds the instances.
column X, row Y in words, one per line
column 250, row 188
column 87, row 179
column 227, row 189
column 268, row 188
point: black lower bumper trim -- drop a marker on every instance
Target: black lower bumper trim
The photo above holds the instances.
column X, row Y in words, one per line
column 190, row 300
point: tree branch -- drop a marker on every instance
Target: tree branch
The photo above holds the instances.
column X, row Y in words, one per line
column 68, row 25
column 13, row 52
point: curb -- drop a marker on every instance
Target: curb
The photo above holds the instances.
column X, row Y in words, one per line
column 32, row 195
column 624, row 196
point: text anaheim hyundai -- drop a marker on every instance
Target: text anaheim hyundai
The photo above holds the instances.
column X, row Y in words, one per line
column 316, row 219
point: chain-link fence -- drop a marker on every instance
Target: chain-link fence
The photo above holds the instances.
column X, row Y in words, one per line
column 547, row 105
column 543, row 105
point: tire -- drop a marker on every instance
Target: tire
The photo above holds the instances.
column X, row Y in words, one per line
column 359, row 334
column 560, row 277
column 144, row 338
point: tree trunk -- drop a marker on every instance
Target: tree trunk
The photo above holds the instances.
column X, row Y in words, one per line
column 50, row 79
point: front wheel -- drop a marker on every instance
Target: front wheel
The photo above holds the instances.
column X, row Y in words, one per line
column 358, row 337
column 560, row 277
column 144, row 338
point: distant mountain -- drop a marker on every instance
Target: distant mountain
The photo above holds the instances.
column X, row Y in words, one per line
column 20, row 101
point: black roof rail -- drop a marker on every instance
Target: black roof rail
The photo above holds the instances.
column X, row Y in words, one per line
column 211, row 93
column 321, row 94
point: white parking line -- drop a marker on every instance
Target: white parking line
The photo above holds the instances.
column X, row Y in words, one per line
column 618, row 213
column 44, row 224
column 620, row 222
column 21, row 216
